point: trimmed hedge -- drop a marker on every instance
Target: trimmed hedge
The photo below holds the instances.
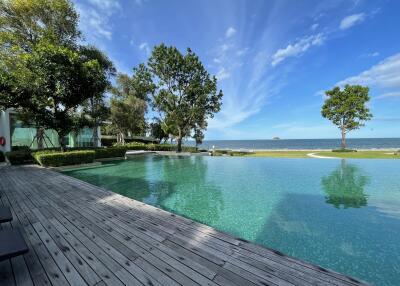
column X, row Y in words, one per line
column 56, row 159
column 110, row 152
column 20, row 148
column 108, row 142
column 344, row 150
column 20, row 157
column 2, row 158
column 155, row 147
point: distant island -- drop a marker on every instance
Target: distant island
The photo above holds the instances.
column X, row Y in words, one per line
column 276, row 138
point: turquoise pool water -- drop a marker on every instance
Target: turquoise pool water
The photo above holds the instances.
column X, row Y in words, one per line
column 340, row 214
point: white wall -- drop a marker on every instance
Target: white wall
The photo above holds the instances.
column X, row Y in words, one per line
column 5, row 129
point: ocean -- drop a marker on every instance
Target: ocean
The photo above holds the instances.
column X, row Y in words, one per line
column 300, row 144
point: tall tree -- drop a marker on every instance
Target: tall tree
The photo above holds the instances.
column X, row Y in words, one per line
column 23, row 23
column 186, row 94
column 43, row 70
column 129, row 103
column 347, row 108
column 60, row 79
column 95, row 109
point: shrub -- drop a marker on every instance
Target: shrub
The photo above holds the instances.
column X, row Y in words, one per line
column 132, row 146
column 155, row 147
column 344, row 150
column 20, row 157
column 161, row 147
column 108, row 142
column 110, row 152
column 2, row 158
column 190, row 149
column 21, row 148
column 56, row 159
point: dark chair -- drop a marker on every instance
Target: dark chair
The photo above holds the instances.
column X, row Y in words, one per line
column 12, row 244
column 5, row 214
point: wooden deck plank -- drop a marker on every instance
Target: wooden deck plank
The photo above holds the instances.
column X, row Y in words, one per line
column 114, row 240
column 54, row 274
column 251, row 269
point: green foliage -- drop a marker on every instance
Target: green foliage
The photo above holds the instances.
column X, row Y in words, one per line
column 155, row 147
column 157, row 131
column 25, row 22
column 111, row 152
column 344, row 150
column 347, row 108
column 230, row 153
column 20, row 148
column 95, row 110
column 43, row 70
column 186, row 95
column 129, row 103
column 108, row 141
column 23, row 25
column 56, row 159
column 2, row 157
column 20, row 157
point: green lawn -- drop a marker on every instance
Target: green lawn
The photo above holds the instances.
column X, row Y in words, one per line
column 361, row 155
column 303, row 154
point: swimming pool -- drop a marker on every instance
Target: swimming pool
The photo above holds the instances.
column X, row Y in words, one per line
column 340, row 214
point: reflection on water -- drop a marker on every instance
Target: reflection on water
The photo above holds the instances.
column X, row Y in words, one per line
column 344, row 187
column 292, row 205
column 192, row 199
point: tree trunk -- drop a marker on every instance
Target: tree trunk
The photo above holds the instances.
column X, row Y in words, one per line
column 40, row 137
column 343, row 138
column 179, row 140
column 120, row 138
column 61, row 140
column 95, row 136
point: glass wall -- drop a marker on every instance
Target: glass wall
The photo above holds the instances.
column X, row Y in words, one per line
column 23, row 135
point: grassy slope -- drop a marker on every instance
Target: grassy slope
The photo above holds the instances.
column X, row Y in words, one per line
column 303, row 154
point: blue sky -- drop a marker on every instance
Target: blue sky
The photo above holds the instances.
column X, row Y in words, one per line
column 273, row 59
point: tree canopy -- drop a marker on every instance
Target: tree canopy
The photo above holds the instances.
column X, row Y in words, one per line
column 129, row 103
column 43, row 69
column 185, row 95
column 347, row 108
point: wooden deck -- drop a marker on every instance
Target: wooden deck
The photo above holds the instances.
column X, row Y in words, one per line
column 79, row 234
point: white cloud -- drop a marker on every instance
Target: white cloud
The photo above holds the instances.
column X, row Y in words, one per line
column 298, row 48
column 106, row 5
column 94, row 25
column 95, row 19
column 242, row 52
column 230, row 32
column 145, row 47
column 385, row 74
column 222, row 74
column 351, row 20
column 140, row 2
column 314, row 26
column 217, row 60
column 320, row 93
column 225, row 47
column 395, row 94
column 370, row 55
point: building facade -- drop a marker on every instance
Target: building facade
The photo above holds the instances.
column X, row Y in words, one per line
column 13, row 132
